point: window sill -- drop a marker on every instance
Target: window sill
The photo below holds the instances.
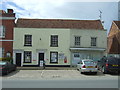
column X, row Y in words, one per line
column 53, row 46
column 93, row 46
column 27, row 62
column 28, row 45
column 53, row 62
column 2, row 37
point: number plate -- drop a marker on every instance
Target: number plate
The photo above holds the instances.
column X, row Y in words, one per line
column 115, row 65
column 90, row 67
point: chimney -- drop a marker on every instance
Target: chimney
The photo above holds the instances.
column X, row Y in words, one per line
column 10, row 10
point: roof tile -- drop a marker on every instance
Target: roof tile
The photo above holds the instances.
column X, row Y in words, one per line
column 59, row 23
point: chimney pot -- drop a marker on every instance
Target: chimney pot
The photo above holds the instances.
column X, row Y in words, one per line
column 10, row 10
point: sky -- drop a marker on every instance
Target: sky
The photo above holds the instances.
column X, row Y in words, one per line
column 64, row 9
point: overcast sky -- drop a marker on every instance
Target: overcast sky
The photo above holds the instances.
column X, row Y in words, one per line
column 64, row 9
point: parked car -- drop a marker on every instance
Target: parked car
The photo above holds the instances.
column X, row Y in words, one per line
column 6, row 67
column 109, row 65
column 87, row 65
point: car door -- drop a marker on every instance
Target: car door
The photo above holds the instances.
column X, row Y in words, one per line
column 10, row 66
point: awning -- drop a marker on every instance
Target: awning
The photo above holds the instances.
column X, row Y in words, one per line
column 89, row 49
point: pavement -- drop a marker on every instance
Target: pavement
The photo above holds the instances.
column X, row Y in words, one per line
column 46, row 68
column 56, row 74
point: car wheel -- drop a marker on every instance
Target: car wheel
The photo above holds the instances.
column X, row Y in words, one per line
column 81, row 72
column 14, row 69
column 95, row 73
column 7, row 71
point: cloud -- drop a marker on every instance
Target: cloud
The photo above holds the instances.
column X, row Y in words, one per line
column 65, row 9
column 33, row 8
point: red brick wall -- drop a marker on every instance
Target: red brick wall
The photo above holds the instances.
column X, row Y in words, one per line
column 8, row 46
column 9, row 26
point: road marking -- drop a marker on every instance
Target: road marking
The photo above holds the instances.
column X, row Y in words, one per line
column 42, row 73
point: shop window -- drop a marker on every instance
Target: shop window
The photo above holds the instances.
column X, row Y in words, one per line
column 27, row 56
column 53, row 57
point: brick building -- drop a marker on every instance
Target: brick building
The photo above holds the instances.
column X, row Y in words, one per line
column 6, row 32
column 114, row 38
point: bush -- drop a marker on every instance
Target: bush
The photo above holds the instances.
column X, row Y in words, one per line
column 9, row 59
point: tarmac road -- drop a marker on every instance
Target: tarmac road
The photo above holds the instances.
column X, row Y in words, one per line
column 58, row 79
column 60, row 83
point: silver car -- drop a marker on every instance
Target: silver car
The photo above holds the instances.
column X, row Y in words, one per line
column 87, row 65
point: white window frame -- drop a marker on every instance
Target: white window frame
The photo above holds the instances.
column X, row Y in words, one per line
column 53, row 57
column 2, row 31
column 54, row 41
column 3, row 52
column 26, row 40
column 27, row 55
column 93, row 41
column 77, row 40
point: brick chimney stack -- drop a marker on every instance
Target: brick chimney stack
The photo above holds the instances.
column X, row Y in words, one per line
column 10, row 10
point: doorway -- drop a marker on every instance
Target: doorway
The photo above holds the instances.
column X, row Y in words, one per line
column 41, row 58
column 18, row 59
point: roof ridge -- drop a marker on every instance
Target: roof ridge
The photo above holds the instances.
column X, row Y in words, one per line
column 55, row 19
column 59, row 23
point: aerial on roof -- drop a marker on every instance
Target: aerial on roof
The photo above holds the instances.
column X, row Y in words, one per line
column 59, row 23
column 117, row 23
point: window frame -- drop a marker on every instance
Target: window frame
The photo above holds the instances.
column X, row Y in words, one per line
column 51, row 57
column 94, row 42
column 55, row 42
column 25, row 57
column 26, row 41
column 76, row 42
column 3, row 30
column 3, row 52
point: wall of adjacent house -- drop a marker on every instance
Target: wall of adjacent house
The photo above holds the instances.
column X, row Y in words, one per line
column 41, row 40
column 86, row 37
column 85, row 42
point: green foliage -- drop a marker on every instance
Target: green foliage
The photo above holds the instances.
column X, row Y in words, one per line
column 9, row 59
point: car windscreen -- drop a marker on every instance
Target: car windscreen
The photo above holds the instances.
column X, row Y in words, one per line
column 114, row 61
column 2, row 63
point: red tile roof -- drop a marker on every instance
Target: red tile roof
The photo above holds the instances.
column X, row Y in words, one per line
column 117, row 23
column 59, row 23
column 114, row 38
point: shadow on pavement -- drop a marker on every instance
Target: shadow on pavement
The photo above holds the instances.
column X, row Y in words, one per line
column 93, row 74
column 11, row 73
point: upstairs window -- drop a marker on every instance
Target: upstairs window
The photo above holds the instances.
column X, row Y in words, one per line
column 54, row 41
column 2, row 51
column 93, row 41
column 77, row 40
column 28, row 40
column 2, row 31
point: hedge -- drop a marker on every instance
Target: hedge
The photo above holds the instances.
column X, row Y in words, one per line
column 10, row 59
